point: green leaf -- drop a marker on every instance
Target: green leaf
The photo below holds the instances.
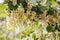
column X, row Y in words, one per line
column 20, row 6
column 50, row 28
column 34, row 35
column 2, row 7
column 20, row 36
column 51, row 11
column 28, row 31
column 59, row 34
column 54, row 3
column 4, row 14
column 39, row 26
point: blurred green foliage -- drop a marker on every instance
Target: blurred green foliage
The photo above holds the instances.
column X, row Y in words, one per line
column 3, row 7
column 50, row 28
column 34, row 35
column 8, row 5
column 4, row 14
